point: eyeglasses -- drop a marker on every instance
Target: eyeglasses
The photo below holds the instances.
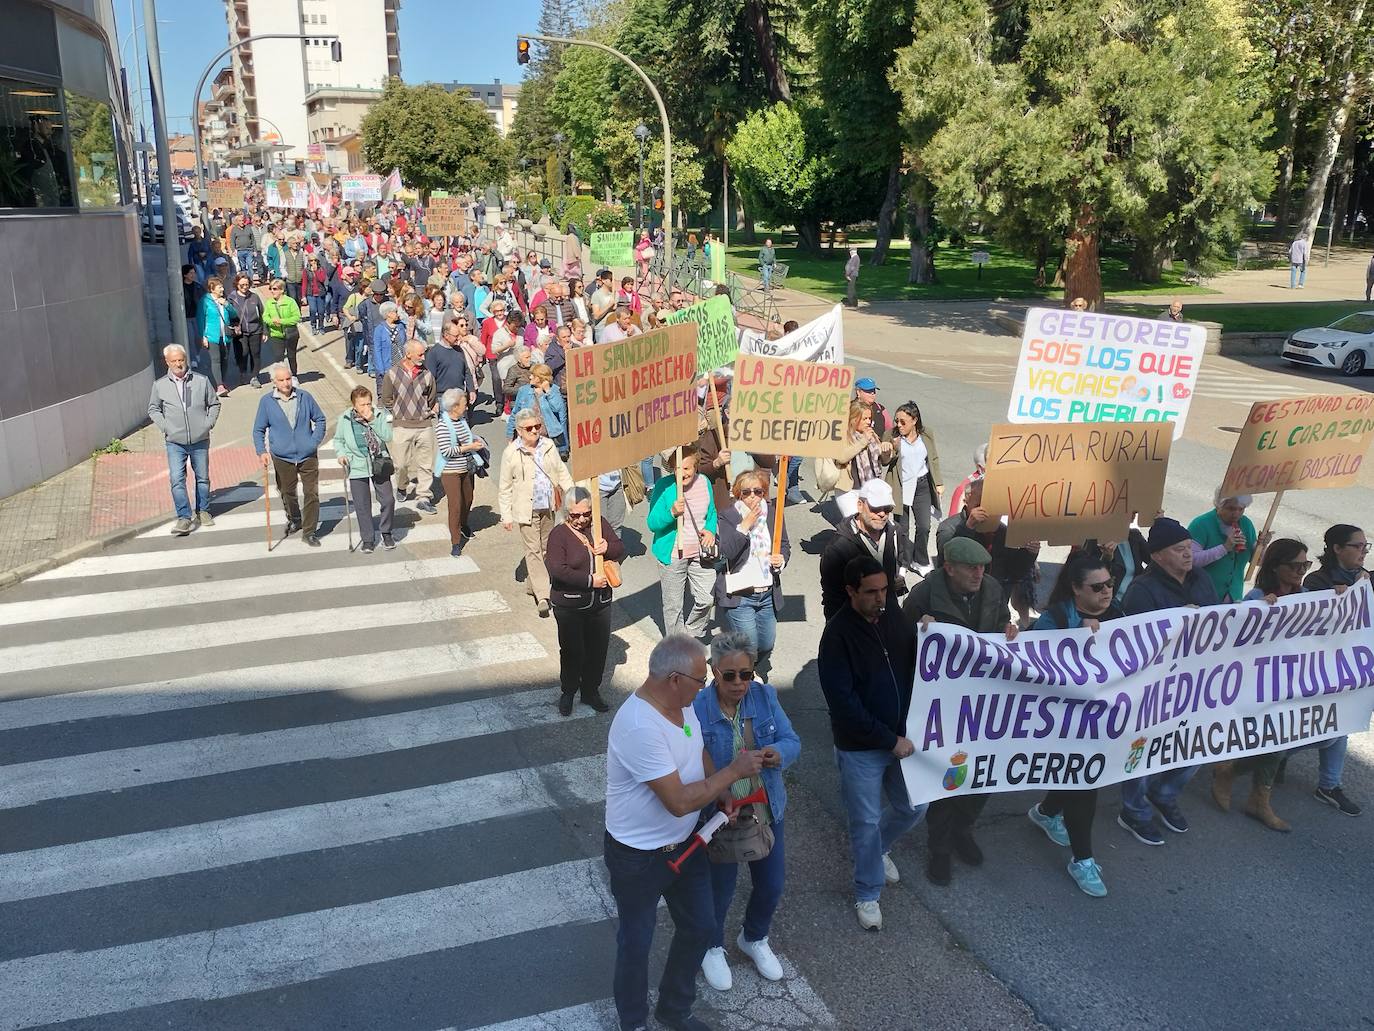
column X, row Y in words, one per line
column 1301, row 567
column 1356, row 544
column 1102, row 586
column 679, row 673
column 579, row 515
column 730, row 676
column 752, row 492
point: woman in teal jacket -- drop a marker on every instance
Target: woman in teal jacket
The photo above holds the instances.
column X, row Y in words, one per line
column 1224, row 542
column 687, row 560
column 216, row 316
column 360, row 439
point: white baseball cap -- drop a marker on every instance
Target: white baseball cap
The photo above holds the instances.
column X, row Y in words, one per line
column 876, row 494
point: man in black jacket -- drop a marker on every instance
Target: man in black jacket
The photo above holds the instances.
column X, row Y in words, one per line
column 866, row 663
column 870, row 532
column 962, row 594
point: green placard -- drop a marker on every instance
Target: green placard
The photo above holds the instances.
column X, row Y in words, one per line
column 717, row 342
column 613, row 250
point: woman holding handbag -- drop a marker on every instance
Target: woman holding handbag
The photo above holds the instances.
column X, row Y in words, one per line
column 581, row 600
column 739, row 713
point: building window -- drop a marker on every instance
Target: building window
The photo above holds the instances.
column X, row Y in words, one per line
column 34, row 170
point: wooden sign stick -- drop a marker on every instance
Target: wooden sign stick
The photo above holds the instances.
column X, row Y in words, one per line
column 715, row 407
column 1268, row 522
column 781, row 497
column 594, row 488
column 677, row 471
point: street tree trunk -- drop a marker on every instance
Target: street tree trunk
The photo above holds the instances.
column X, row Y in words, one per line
column 883, row 240
column 1334, row 129
column 756, row 12
column 1345, row 172
column 1287, row 158
column 1082, row 269
column 1148, row 260
column 809, row 236
column 918, row 230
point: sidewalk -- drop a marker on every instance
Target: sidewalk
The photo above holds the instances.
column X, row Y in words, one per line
column 110, row 498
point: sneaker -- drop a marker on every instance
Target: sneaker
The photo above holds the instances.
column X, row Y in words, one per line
column 762, row 954
column 1053, row 826
column 311, row 540
column 1088, row 876
column 388, row 542
column 717, row 971
column 687, row 1023
column 205, row 519
column 890, row 874
column 367, row 547
column 870, row 916
column 938, row 869
column 1172, row 816
column 467, row 534
column 426, row 506
column 291, row 528
column 456, row 551
column 794, row 497
column 256, row 385
column 1145, row 831
column 181, row 528
column 1336, row 798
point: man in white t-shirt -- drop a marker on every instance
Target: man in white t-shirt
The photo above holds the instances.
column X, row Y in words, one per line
column 658, row 779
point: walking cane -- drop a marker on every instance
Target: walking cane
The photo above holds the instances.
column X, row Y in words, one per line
column 267, row 507
column 348, row 512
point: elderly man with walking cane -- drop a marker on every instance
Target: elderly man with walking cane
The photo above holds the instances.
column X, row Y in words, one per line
column 293, row 425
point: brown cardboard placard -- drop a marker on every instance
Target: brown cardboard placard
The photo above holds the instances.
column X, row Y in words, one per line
column 1301, row 443
column 784, row 406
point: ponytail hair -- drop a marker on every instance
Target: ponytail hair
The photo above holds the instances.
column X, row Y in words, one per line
column 1335, row 537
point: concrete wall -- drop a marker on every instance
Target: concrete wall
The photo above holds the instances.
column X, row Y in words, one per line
column 74, row 341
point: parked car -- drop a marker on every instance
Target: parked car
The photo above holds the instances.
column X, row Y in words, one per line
column 183, row 224
column 1347, row 344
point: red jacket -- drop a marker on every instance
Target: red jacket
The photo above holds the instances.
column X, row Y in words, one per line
column 489, row 327
column 309, row 289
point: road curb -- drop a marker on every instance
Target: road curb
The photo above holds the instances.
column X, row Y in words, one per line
column 76, row 551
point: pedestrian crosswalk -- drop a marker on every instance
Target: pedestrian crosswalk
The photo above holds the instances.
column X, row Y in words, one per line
column 301, row 789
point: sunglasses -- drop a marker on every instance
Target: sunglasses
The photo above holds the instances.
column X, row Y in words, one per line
column 579, row 515
column 1301, row 567
column 886, row 510
column 752, row 492
column 731, row 676
column 1102, row 586
column 532, row 428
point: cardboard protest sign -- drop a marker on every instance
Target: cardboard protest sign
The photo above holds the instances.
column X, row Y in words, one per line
column 1064, row 484
column 1162, row 690
column 784, row 407
column 613, row 250
column 361, row 188
column 1301, row 443
column 631, row 398
column 717, row 343
column 446, row 216
column 292, row 192
column 1083, row 366
column 226, row 194
column 821, row 340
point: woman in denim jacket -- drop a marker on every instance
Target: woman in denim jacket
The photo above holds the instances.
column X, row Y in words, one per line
column 731, row 700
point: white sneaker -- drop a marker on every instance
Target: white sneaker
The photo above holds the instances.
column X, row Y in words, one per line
column 890, row 874
column 764, row 961
column 870, row 916
column 717, row 971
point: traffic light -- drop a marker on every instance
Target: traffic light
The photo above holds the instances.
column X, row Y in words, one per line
column 522, row 51
column 336, row 51
column 658, row 198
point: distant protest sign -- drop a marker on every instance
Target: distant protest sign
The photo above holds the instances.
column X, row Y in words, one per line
column 630, row 399
column 717, row 343
column 1162, row 690
column 1301, row 443
column 1064, row 484
column 613, row 250
column 1082, row 366
column 226, row 194
column 821, row 340
column 291, row 192
column 784, row 407
column 446, row 216
column 361, row 188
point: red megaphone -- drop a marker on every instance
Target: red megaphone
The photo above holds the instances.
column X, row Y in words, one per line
column 715, row 823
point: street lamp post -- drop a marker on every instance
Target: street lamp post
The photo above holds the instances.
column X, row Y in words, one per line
column 642, row 135
column 663, row 116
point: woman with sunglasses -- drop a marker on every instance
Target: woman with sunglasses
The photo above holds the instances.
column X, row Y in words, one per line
column 737, row 713
column 1341, row 562
column 533, row 482
column 749, row 586
column 1082, row 597
column 1280, row 575
column 581, row 599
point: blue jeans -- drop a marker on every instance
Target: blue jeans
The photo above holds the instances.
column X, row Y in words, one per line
column 353, row 346
column 865, row 777
column 199, row 455
column 245, row 260
column 766, row 272
column 767, row 877
column 794, row 465
column 638, row 881
column 1297, row 275
column 648, row 472
column 754, row 616
column 1330, row 760
column 319, row 307
column 1162, row 787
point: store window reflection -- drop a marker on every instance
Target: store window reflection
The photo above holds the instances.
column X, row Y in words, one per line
column 91, row 132
column 34, row 161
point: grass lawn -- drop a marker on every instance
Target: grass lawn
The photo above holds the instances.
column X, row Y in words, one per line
column 1006, row 275
column 1259, row 318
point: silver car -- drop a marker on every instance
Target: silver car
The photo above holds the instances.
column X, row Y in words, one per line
column 1347, row 345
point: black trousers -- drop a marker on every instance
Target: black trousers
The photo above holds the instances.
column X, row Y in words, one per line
column 1078, row 809
column 584, row 636
column 951, row 817
column 283, row 349
column 915, row 552
column 248, row 352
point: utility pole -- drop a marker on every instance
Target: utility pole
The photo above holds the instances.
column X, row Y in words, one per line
column 662, row 114
column 642, row 135
column 171, row 239
column 725, row 203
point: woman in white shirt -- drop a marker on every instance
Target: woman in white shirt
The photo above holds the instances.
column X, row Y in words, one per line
column 913, row 473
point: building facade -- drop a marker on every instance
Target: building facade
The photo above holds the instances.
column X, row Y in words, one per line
column 500, row 100
column 333, row 114
column 78, row 364
column 274, row 76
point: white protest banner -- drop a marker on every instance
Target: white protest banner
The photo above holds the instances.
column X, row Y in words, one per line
column 290, row 192
column 820, row 340
column 1083, row 366
column 1179, row 687
column 361, row 188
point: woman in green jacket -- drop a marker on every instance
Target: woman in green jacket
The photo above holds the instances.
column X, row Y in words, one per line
column 687, row 558
column 1224, row 541
column 360, row 439
column 280, row 316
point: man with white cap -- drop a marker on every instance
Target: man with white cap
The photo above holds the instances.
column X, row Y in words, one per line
column 868, row 532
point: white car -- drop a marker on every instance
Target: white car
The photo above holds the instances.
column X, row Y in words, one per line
column 1347, row 345
column 183, row 225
